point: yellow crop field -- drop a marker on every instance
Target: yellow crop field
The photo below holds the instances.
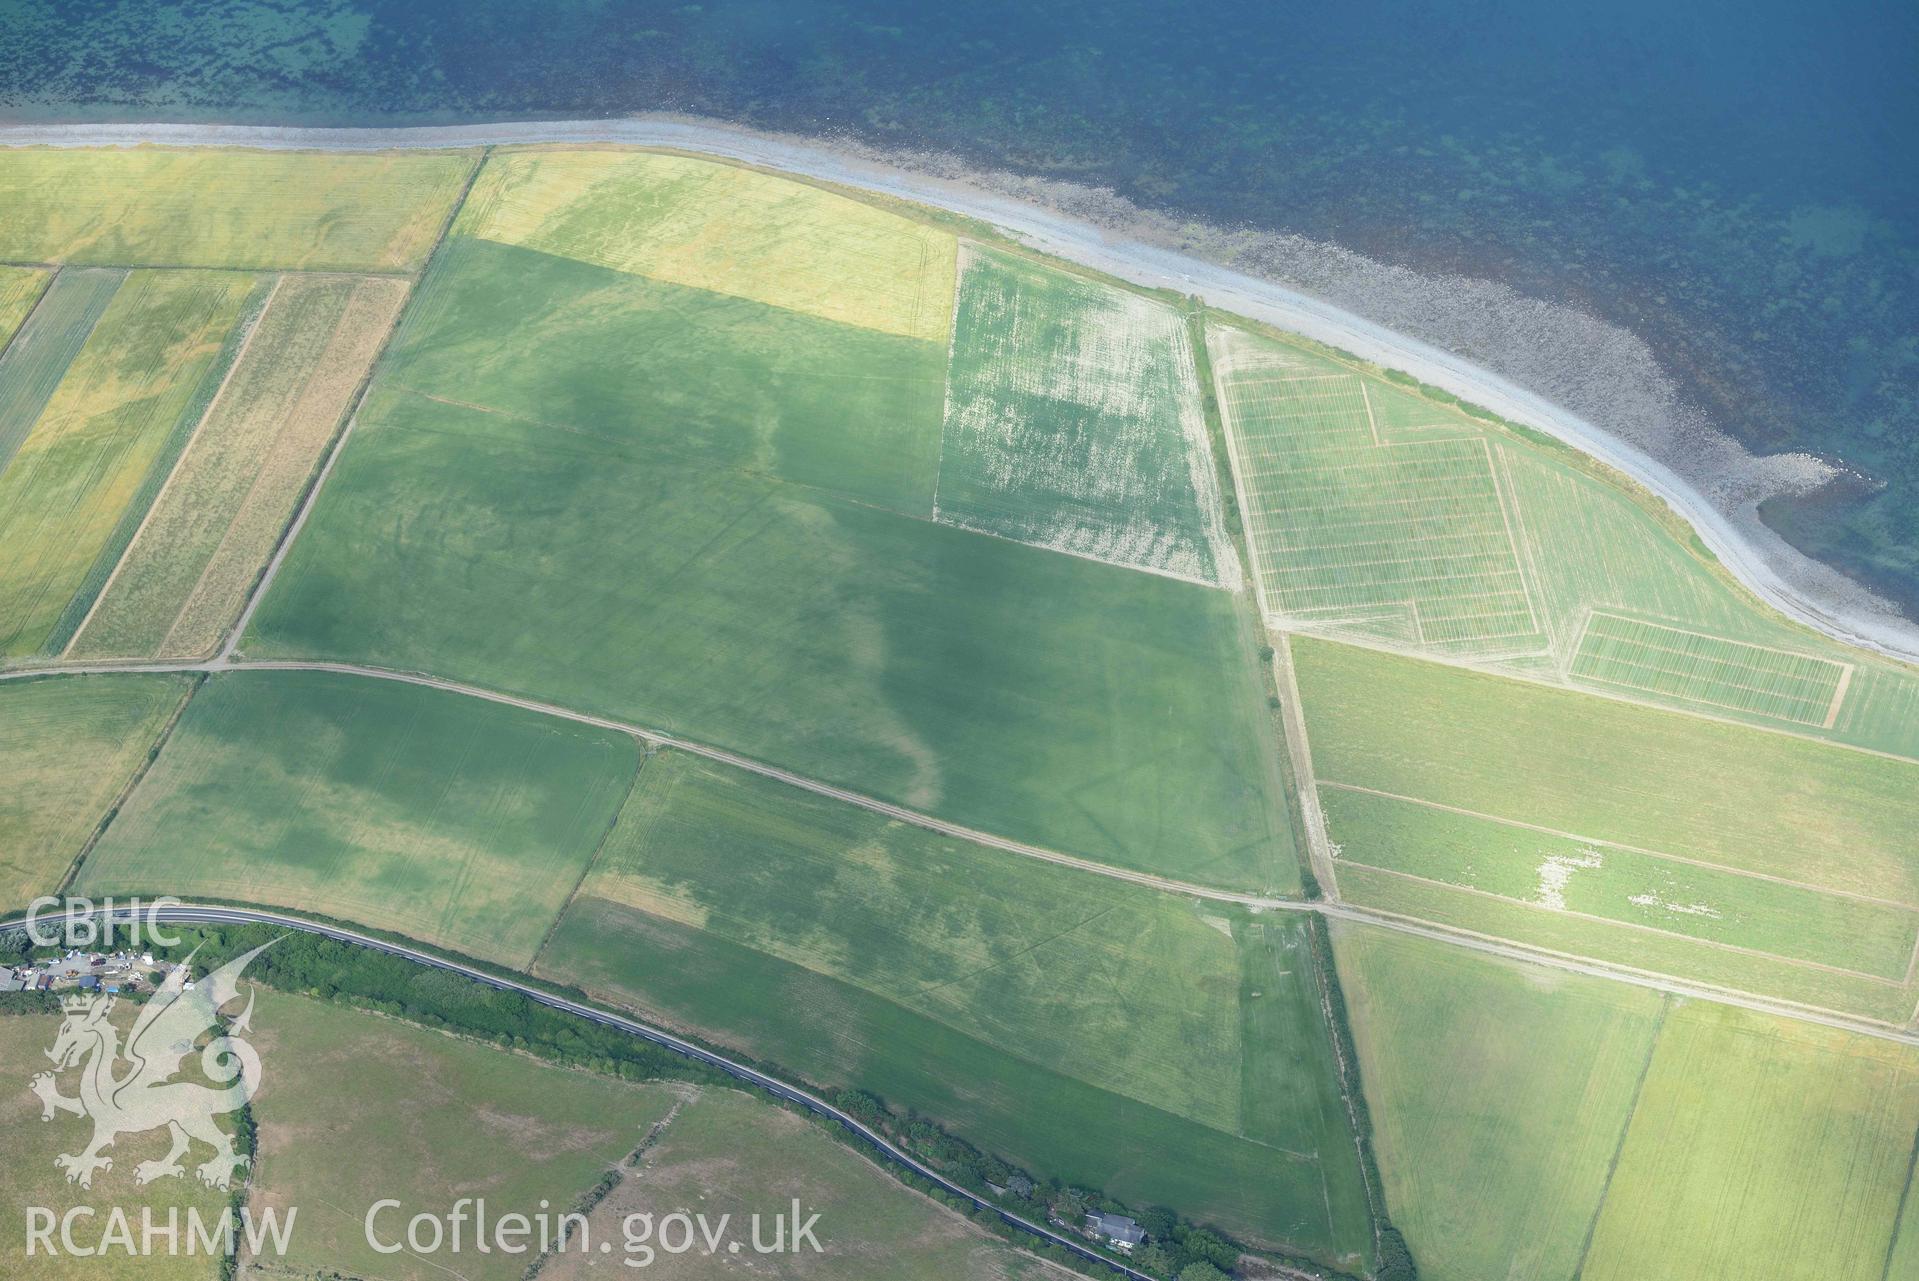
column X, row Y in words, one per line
column 20, row 288
column 68, row 745
column 185, row 577
column 199, row 207
column 87, row 459
column 724, row 228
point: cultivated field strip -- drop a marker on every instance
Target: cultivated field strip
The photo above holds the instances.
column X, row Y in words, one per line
column 82, row 478
column 20, row 290
column 1709, row 671
column 1073, row 422
column 185, row 576
column 37, row 358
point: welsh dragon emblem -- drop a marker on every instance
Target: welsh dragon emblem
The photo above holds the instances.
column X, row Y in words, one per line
column 134, row 1090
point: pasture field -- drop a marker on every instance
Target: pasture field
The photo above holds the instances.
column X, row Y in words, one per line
column 1499, row 1094
column 184, row 578
column 725, row 228
column 1073, row 421
column 28, row 1176
column 835, row 1033
column 36, row 359
column 20, row 289
column 449, row 819
column 1350, row 527
column 354, row 1108
column 87, row 470
column 1760, row 1143
column 1565, row 874
column 202, row 207
column 727, row 1153
column 1739, row 798
column 536, row 501
column 68, row 745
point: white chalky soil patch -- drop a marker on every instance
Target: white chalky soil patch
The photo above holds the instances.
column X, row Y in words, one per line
column 1556, row 873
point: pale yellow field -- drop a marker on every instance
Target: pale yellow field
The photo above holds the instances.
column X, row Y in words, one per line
column 199, row 207
column 68, row 745
column 185, row 577
column 1760, row 1147
column 88, row 456
column 724, row 228
column 19, row 289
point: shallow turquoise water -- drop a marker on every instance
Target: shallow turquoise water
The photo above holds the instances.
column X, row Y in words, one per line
column 1732, row 181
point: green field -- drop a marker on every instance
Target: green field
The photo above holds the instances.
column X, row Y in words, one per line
column 184, row 578
column 36, row 360
column 68, row 746
column 447, row 818
column 28, row 1176
column 1499, row 1094
column 1375, row 510
column 1760, row 1146
column 201, row 207
column 566, row 484
column 20, row 289
column 355, row 1108
column 1722, row 794
column 727, row 1153
column 1563, row 874
column 1073, row 421
column 84, row 475
column 839, row 943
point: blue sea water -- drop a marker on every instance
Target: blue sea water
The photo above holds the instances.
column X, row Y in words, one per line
column 1734, row 182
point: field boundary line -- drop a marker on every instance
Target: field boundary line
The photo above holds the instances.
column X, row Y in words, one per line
column 1319, row 846
column 1236, row 465
column 593, row 860
column 1512, row 540
column 1839, row 696
column 1619, row 845
column 1372, row 423
column 963, row 250
column 1522, row 543
column 134, row 780
column 219, row 394
column 1905, row 1201
column 1625, row 1128
column 1570, row 913
column 53, row 271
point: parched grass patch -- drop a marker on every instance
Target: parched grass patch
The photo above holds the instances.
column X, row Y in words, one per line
column 1556, row 873
column 184, row 578
column 1737, row 797
column 204, row 207
column 448, row 818
column 68, row 745
column 1709, row 672
column 28, row 1176
column 728, row 1153
column 722, row 227
column 85, row 474
column 536, row 501
column 1346, row 525
column 355, row 1109
column 20, row 288
column 1762, row 1142
column 1498, row 1092
column 1073, row 421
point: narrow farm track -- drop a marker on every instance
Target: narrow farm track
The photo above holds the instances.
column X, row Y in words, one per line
column 1332, row 909
column 881, row 1146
